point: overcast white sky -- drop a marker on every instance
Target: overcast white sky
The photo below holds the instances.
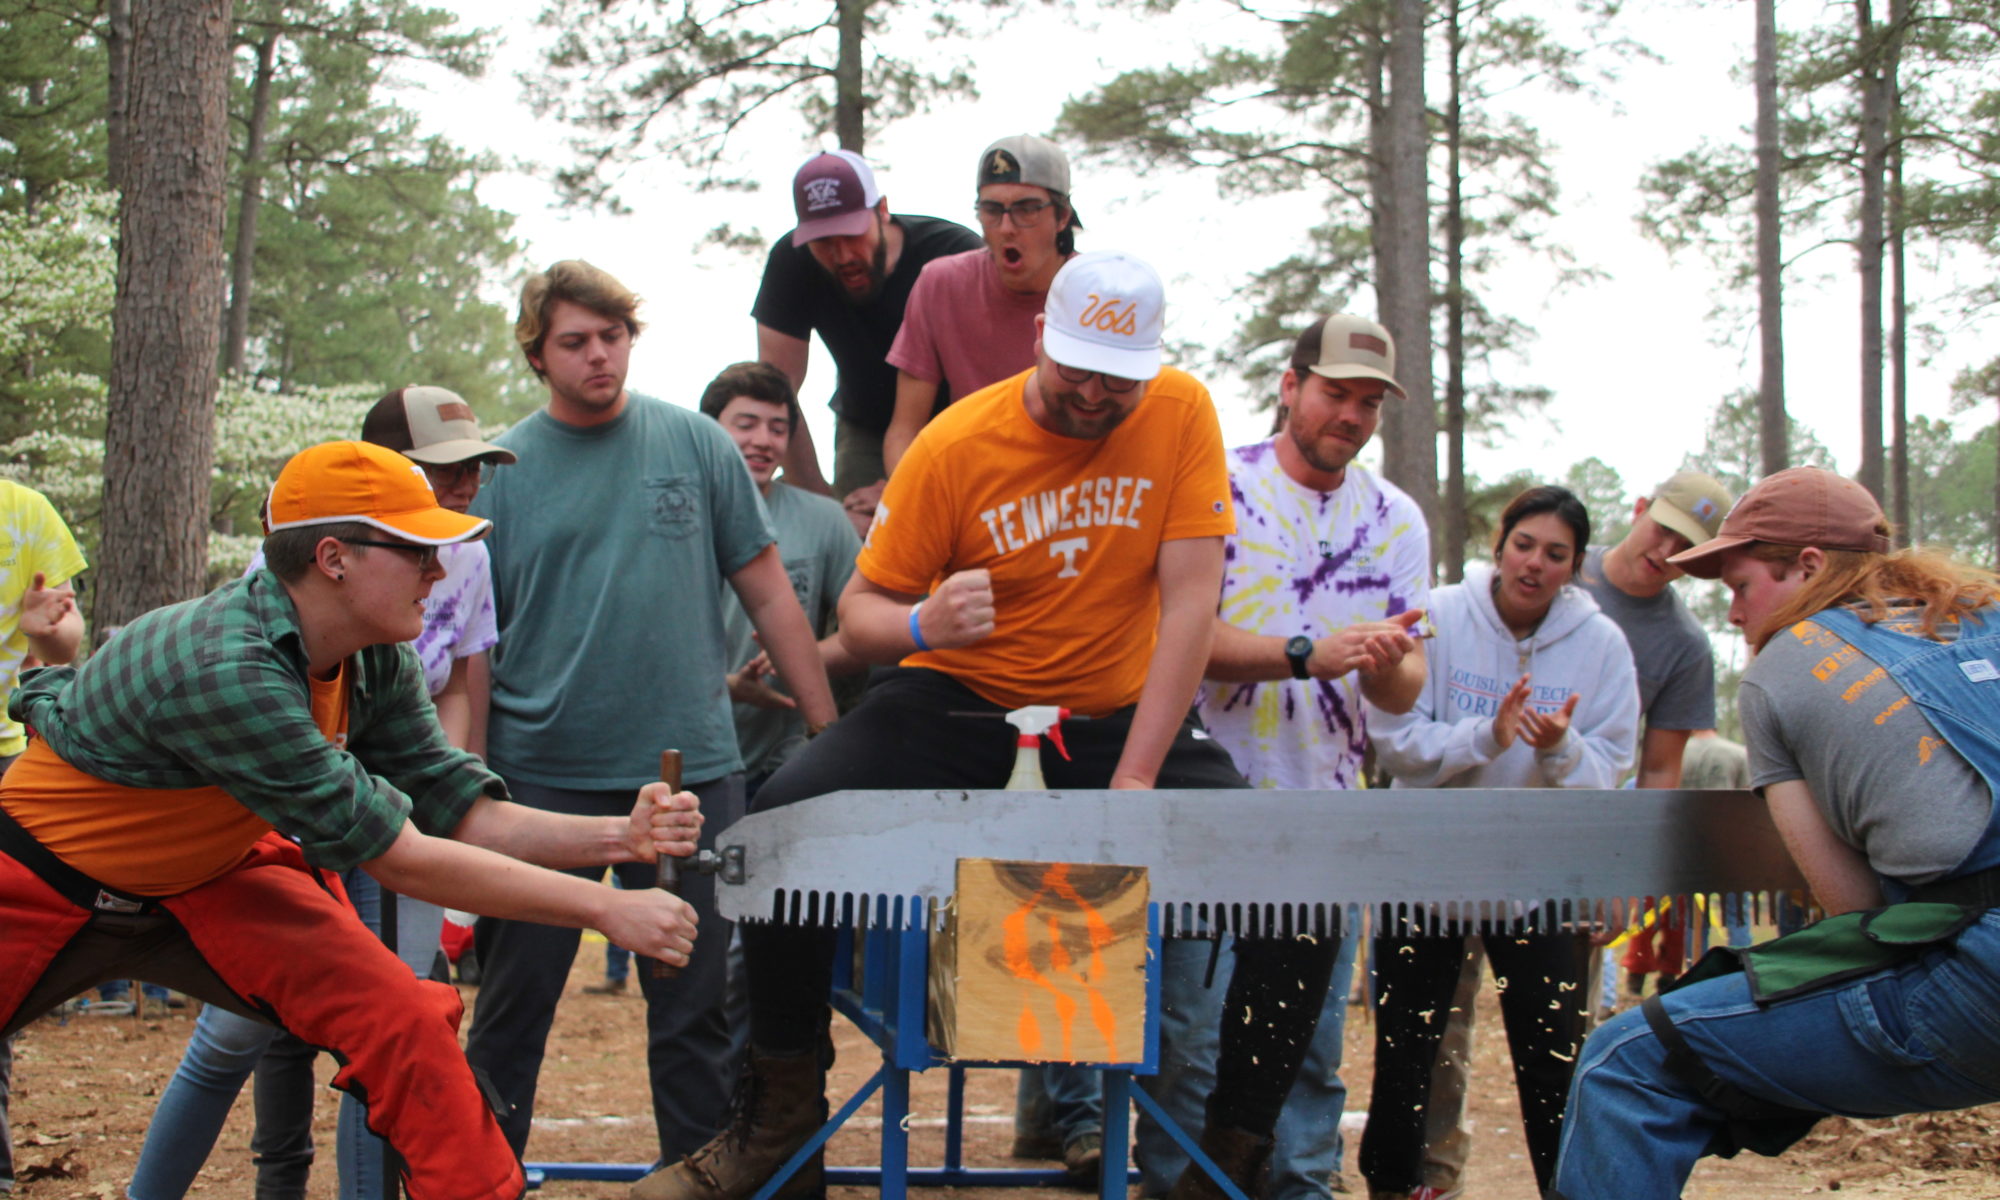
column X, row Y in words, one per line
column 1633, row 359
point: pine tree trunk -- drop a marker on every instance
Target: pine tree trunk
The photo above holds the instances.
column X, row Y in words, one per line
column 849, row 103
column 1868, row 240
column 243, row 259
column 118, row 78
column 1456, row 530
column 1771, row 424
column 1409, row 426
column 167, row 320
column 1899, row 300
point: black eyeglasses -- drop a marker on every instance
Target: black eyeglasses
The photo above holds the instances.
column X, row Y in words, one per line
column 1024, row 212
column 1112, row 383
column 458, row 472
column 427, row 556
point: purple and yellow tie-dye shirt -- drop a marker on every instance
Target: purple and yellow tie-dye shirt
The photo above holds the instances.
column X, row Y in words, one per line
column 1308, row 562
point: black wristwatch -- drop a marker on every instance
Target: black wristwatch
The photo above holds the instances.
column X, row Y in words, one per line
column 1299, row 650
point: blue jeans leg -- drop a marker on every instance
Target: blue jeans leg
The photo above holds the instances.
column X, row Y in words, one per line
column 1190, row 1039
column 219, row 1057
column 359, row 1153
column 1076, row 1100
column 1916, row 1038
column 1308, row 1152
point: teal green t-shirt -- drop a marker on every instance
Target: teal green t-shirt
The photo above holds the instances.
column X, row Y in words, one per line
column 818, row 545
column 612, row 546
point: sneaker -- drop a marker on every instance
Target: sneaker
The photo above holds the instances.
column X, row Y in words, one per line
column 1083, row 1160
column 609, row 987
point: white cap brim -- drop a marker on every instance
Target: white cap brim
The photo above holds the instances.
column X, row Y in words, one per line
column 1082, row 354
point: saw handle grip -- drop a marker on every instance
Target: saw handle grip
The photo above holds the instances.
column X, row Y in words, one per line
column 669, row 879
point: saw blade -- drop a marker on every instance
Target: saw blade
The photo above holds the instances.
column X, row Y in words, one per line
column 1258, row 861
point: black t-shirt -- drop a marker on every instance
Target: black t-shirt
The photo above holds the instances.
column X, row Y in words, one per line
column 797, row 298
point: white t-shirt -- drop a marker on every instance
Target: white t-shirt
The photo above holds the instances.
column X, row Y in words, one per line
column 1309, row 562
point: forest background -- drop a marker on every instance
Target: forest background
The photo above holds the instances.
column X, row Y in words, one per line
column 1557, row 208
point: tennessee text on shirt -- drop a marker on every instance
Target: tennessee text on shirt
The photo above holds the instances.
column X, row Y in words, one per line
column 1100, row 501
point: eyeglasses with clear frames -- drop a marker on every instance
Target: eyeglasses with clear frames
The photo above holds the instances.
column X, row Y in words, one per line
column 1112, row 383
column 1026, row 213
column 426, row 556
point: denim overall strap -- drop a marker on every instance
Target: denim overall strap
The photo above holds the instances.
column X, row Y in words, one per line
column 1957, row 684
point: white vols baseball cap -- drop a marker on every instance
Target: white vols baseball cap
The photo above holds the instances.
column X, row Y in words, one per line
column 1106, row 312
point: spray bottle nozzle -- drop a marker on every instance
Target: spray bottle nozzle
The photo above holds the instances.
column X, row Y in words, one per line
column 1041, row 720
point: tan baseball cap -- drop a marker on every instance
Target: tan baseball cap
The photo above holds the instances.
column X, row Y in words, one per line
column 1802, row 506
column 1691, row 504
column 1344, row 346
column 429, row 425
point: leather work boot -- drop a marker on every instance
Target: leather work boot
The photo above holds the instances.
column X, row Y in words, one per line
column 779, row 1103
column 1244, row 1157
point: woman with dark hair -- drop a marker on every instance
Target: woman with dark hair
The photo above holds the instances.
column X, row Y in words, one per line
column 1529, row 686
column 1872, row 714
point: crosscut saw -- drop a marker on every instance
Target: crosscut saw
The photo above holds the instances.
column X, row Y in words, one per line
column 1269, row 863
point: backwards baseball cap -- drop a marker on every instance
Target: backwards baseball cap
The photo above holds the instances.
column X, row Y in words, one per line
column 1025, row 158
column 1105, row 312
column 1691, row 504
column 1348, row 347
column 834, row 194
column 1802, row 506
column 337, row 482
column 429, row 425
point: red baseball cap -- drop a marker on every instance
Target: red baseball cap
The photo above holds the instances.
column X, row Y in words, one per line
column 1801, row 506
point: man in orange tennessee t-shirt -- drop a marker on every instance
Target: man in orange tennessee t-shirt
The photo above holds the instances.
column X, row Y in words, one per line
column 1055, row 538
column 165, row 819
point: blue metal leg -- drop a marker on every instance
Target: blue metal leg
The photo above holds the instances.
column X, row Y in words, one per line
column 895, row 1134
column 1187, row 1143
column 1117, row 1133
column 954, row 1125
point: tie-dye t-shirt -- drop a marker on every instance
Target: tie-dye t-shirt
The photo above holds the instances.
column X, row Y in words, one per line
column 1308, row 562
column 32, row 538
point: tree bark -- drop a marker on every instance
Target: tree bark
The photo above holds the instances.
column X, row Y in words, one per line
column 118, row 57
column 1899, row 300
column 1772, row 434
column 1454, row 516
column 849, row 102
column 243, row 258
column 159, row 435
column 1868, row 238
column 1409, row 426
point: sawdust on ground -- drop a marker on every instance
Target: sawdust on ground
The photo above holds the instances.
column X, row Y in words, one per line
column 84, row 1091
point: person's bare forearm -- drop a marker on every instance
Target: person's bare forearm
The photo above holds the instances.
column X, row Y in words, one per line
column 479, row 698
column 1396, row 689
column 1190, row 578
column 454, row 707
column 59, row 645
column 485, row 879
column 547, row 839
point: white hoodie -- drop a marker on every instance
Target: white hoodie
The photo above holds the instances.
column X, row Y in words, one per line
column 1446, row 740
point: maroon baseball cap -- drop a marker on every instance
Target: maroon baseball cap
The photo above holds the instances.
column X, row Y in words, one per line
column 1802, row 506
column 834, row 194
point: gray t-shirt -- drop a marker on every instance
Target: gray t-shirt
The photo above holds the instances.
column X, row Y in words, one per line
column 1815, row 708
column 818, row 545
column 611, row 548
column 1669, row 648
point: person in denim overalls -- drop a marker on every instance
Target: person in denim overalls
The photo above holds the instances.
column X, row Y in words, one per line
column 1872, row 712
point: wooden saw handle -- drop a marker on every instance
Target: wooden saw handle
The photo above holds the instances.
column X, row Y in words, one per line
column 670, row 867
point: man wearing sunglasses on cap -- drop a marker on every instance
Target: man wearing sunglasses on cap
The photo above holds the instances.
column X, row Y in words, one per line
column 167, row 820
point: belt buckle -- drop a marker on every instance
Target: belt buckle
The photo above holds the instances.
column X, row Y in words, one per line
column 108, row 902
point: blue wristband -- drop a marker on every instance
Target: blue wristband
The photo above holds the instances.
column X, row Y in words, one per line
column 917, row 630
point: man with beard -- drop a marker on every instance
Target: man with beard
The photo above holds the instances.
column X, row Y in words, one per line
column 1067, row 524
column 1329, row 573
column 845, row 273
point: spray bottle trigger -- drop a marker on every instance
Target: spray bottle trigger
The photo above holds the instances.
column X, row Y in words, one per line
column 1055, row 733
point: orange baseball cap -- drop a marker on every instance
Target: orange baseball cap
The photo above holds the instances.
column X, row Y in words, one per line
column 358, row 481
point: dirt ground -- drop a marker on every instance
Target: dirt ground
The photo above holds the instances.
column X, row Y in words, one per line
column 85, row 1088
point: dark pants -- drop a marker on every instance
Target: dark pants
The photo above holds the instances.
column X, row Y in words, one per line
column 901, row 736
column 1543, row 1002
column 688, row 1044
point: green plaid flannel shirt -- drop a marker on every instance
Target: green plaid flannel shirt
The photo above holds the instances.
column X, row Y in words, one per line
column 213, row 692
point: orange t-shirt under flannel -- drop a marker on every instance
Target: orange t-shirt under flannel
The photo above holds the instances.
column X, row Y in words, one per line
column 1069, row 527
column 147, row 841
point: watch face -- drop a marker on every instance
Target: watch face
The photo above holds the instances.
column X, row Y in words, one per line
column 1298, row 647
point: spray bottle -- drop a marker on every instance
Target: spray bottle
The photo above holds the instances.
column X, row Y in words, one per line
column 1034, row 722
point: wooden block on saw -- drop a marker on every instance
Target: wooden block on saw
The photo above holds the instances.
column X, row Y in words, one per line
column 1041, row 962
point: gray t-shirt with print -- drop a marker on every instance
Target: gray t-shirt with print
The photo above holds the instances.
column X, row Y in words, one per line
column 1817, row 709
column 1669, row 648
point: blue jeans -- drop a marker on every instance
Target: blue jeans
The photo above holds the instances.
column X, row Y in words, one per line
column 1309, row 1146
column 1915, row 1038
column 225, row 1048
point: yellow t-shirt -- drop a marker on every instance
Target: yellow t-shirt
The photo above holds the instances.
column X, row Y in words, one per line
column 115, row 834
column 1069, row 527
column 32, row 538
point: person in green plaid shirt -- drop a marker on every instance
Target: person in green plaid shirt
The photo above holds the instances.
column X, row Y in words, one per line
column 191, row 789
